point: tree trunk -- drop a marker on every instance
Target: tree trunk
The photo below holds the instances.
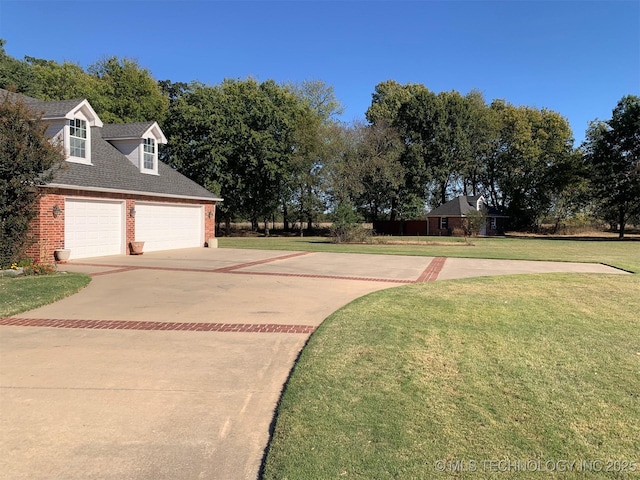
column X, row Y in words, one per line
column 394, row 206
column 266, row 227
column 621, row 220
column 227, row 225
column 285, row 217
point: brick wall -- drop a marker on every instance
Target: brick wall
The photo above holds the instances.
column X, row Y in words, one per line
column 47, row 230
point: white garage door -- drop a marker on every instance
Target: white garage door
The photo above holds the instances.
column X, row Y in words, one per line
column 166, row 227
column 93, row 228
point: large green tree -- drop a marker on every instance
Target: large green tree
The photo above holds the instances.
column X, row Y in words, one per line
column 27, row 158
column 612, row 154
column 119, row 89
column 238, row 139
column 303, row 195
column 520, row 174
column 126, row 92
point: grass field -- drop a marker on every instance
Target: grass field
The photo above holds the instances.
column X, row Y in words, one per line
column 499, row 377
column 21, row 294
column 622, row 254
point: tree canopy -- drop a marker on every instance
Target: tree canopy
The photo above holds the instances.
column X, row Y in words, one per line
column 280, row 150
column 612, row 154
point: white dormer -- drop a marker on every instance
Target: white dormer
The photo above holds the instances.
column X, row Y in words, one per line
column 480, row 203
column 70, row 122
column 138, row 142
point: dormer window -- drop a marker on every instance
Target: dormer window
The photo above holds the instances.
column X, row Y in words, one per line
column 78, row 138
column 149, row 153
column 149, row 156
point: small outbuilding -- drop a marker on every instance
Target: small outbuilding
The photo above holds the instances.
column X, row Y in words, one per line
column 450, row 218
column 455, row 214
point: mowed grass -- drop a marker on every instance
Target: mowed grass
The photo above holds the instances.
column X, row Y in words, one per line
column 622, row 254
column 421, row 381
column 20, row 294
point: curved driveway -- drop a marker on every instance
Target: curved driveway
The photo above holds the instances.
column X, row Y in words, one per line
column 169, row 365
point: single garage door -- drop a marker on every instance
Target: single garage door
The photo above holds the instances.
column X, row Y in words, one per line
column 93, row 228
column 167, row 227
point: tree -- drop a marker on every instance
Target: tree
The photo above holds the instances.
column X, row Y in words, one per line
column 27, row 160
column 529, row 149
column 64, row 81
column 238, row 137
column 312, row 144
column 16, row 75
column 407, row 109
column 380, row 172
column 612, row 154
column 126, row 92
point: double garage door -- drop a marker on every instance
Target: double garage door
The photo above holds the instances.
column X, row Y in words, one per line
column 95, row 228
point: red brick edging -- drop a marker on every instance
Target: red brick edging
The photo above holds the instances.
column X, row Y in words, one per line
column 432, row 271
column 171, row 326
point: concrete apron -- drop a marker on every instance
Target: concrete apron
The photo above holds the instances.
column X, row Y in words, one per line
column 170, row 365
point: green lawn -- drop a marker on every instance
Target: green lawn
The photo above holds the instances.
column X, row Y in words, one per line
column 539, row 367
column 495, row 377
column 622, row 254
column 20, row 294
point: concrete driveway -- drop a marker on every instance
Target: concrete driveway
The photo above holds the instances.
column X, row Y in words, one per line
column 170, row 365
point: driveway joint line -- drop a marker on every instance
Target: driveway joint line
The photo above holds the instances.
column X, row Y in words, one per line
column 329, row 277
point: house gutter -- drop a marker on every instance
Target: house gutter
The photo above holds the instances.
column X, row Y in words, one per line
column 130, row 192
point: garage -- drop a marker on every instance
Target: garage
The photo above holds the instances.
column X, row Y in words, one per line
column 93, row 228
column 169, row 226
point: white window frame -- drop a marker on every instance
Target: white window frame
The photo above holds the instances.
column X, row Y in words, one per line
column 72, row 128
column 444, row 223
column 145, row 154
column 493, row 223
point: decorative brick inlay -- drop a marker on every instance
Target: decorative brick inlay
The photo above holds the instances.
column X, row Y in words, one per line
column 259, row 262
column 118, row 270
column 432, row 271
column 172, row 326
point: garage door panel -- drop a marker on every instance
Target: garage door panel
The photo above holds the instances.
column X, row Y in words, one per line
column 167, row 227
column 93, row 228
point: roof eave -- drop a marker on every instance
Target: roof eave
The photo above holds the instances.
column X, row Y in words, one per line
column 130, row 192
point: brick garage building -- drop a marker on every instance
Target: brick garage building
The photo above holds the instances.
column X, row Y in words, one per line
column 113, row 190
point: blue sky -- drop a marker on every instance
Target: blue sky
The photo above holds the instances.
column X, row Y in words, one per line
column 574, row 57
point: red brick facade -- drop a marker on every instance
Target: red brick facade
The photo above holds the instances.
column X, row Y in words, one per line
column 47, row 230
column 431, row 226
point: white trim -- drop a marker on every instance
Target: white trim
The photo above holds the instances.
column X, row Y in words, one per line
column 130, row 192
column 141, row 149
column 85, row 107
column 154, row 130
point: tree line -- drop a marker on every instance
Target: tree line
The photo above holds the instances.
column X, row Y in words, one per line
column 279, row 151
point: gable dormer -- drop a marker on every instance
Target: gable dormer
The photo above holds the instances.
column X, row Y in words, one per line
column 138, row 142
column 70, row 122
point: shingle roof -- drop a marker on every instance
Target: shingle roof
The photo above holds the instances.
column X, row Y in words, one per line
column 49, row 109
column 461, row 206
column 111, row 170
column 457, row 207
column 125, row 130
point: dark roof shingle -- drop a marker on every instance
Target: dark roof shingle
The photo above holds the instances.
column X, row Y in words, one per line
column 111, row 170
